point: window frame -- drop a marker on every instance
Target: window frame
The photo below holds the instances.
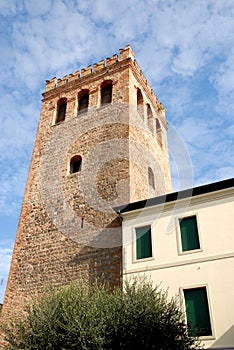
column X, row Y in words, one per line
column 179, row 238
column 69, row 173
column 83, row 93
column 158, row 131
column 150, row 118
column 183, row 307
column 104, row 86
column 140, row 104
column 151, row 178
column 61, row 101
column 134, row 243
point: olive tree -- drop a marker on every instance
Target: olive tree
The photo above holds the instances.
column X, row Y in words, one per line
column 138, row 316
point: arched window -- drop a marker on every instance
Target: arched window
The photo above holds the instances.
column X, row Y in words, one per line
column 61, row 110
column 158, row 132
column 151, row 178
column 149, row 117
column 158, row 126
column 83, row 101
column 106, row 92
column 149, row 111
column 140, row 103
column 75, row 164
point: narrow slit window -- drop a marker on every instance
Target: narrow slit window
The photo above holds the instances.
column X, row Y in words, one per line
column 75, row 164
column 197, row 312
column 189, row 233
column 143, row 242
column 151, row 178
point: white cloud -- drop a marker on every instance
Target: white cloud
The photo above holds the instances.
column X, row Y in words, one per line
column 5, row 259
column 187, row 62
column 37, row 8
column 225, row 172
column 197, row 132
column 7, row 7
column 185, row 49
column 12, row 190
column 17, row 126
column 6, row 249
column 223, row 80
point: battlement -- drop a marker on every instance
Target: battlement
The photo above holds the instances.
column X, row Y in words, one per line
column 109, row 61
column 124, row 54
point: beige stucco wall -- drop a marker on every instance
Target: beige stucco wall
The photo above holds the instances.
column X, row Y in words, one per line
column 211, row 266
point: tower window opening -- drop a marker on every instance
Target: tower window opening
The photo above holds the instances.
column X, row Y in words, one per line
column 149, row 117
column 151, row 178
column 158, row 132
column 75, row 164
column 140, row 103
column 61, row 110
column 83, row 101
column 106, row 92
column 149, row 111
column 158, row 125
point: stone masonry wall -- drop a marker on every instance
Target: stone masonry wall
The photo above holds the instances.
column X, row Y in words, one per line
column 68, row 228
column 148, row 144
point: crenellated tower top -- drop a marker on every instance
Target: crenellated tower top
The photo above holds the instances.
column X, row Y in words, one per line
column 124, row 54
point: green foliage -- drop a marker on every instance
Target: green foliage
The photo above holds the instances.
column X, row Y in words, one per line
column 81, row 317
column 161, row 107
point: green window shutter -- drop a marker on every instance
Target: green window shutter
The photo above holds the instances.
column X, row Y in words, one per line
column 143, row 242
column 189, row 233
column 197, row 312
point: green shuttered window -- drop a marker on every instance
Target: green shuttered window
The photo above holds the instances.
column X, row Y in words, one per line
column 143, row 242
column 189, row 233
column 197, row 311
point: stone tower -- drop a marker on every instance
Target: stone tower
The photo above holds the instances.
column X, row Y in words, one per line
column 101, row 142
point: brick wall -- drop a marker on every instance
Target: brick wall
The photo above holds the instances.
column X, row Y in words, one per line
column 68, row 228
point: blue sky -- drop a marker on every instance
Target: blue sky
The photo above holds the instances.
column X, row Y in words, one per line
column 185, row 49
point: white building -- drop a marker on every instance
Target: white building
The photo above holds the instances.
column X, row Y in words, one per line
column 185, row 242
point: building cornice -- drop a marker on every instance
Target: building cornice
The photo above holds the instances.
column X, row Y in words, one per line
column 180, row 263
column 204, row 193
